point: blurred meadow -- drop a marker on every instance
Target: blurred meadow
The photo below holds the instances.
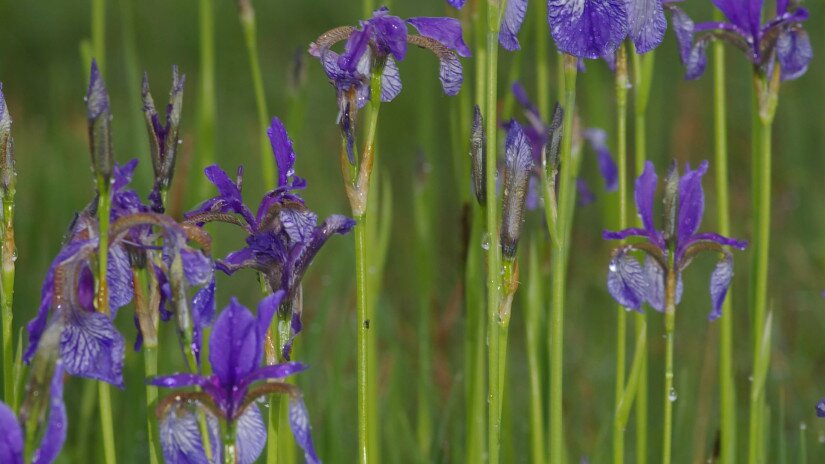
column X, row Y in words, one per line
column 420, row 152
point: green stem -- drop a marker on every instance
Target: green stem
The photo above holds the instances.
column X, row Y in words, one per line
column 670, row 393
column 542, row 62
column 727, row 392
column 533, row 327
column 494, row 10
column 230, row 450
column 150, row 365
column 560, row 251
column 363, row 334
column 621, row 323
column 99, row 32
column 247, row 17
column 425, row 276
column 643, row 72
column 9, row 256
column 476, row 326
column 206, row 109
column 104, row 395
column 107, row 428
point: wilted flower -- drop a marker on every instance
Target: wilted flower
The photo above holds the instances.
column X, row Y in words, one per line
column 671, row 249
column 781, row 38
column 230, row 394
column 12, row 441
column 518, row 167
column 283, row 237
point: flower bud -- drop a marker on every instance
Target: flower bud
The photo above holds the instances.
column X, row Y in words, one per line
column 163, row 139
column 100, row 124
column 7, row 171
column 550, row 152
column 671, row 201
column 478, row 156
column 518, row 165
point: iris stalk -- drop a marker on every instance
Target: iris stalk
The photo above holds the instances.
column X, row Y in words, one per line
column 726, row 386
column 495, row 9
column 9, row 256
column 246, row 15
column 206, row 110
column 670, row 326
column 533, row 326
column 560, row 252
column 99, row 32
column 621, row 323
column 143, row 304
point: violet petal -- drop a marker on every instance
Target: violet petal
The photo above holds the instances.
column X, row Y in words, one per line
column 587, row 28
column 511, row 24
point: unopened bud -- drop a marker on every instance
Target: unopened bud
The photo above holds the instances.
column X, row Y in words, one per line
column 478, row 156
column 518, row 166
column 163, row 138
column 671, row 201
column 551, row 151
column 100, row 124
column 7, row 171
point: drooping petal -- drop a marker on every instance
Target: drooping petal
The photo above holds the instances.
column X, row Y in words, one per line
column 719, row 284
column 197, row 267
column 793, row 48
column 55, row 435
column 457, row 4
column 234, row 347
column 820, row 408
column 11, row 436
column 697, row 59
column 251, row 435
column 283, row 151
column 610, row 172
column 691, row 202
column 587, row 28
column 266, row 310
column 683, row 28
column 445, row 30
column 390, row 81
column 626, row 281
column 298, row 222
column 180, row 436
column 203, row 305
column 274, row 372
column 301, row 429
column 450, row 70
column 585, row 195
column 119, row 278
column 511, row 24
column 720, row 239
column 243, row 258
column 91, row 346
column 645, row 193
column 656, row 285
column 647, row 24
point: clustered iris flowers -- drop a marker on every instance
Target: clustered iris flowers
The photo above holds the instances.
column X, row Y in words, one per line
column 229, row 396
column 671, row 249
column 781, row 39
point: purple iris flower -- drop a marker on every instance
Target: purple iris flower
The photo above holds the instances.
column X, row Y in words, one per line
column 781, row 38
column 378, row 43
column 537, row 132
column 283, row 236
column 12, row 441
column 820, row 408
column 230, row 395
column 86, row 340
column 631, row 283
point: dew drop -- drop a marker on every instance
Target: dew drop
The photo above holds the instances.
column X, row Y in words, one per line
column 803, row 426
column 612, row 266
column 485, row 241
column 822, row 438
column 671, row 395
column 750, row 378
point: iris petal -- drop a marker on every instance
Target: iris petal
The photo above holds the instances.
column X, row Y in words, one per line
column 647, row 24
column 627, row 281
column 511, row 24
column 91, row 347
column 234, row 346
column 793, row 48
column 587, row 28
column 11, row 440
column 301, row 429
column 719, row 284
column 445, row 30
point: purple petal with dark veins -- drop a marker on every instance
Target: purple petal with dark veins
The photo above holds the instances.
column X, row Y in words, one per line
column 719, row 284
column 697, row 60
column 301, row 257
column 511, row 24
column 450, row 73
column 627, row 281
column 645, row 193
column 55, row 435
column 86, row 289
column 298, row 223
column 197, row 267
column 390, row 81
column 445, row 30
column 793, row 48
column 691, row 202
column 610, row 172
column 119, row 278
column 91, row 347
column 234, row 347
column 11, row 438
column 251, row 435
column 683, row 28
column 587, row 28
column 180, row 437
column 647, row 24
column 203, row 305
column 656, row 285
column 301, row 429
column 283, row 151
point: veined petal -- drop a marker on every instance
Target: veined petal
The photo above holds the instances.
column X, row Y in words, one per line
column 357, row 45
column 119, row 278
column 691, row 202
column 647, row 24
column 251, row 435
column 450, row 70
column 719, row 284
column 445, row 30
column 697, row 59
column 55, row 435
column 587, row 28
column 746, row 14
column 91, row 346
column 645, row 193
column 234, row 347
column 627, row 281
column 203, row 305
column 301, row 429
column 610, row 172
column 11, row 438
column 656, row 285
column 283, row 151
column 390, row 81
column 793, row 48
column 197, row 267
column 683, row 27
column 298, row 222
column 301, row 256
column 180, row 436
column 511, row 24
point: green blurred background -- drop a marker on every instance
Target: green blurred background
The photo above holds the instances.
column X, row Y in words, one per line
column 43, row 73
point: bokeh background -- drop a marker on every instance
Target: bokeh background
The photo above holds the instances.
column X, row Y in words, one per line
column 44, row 72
